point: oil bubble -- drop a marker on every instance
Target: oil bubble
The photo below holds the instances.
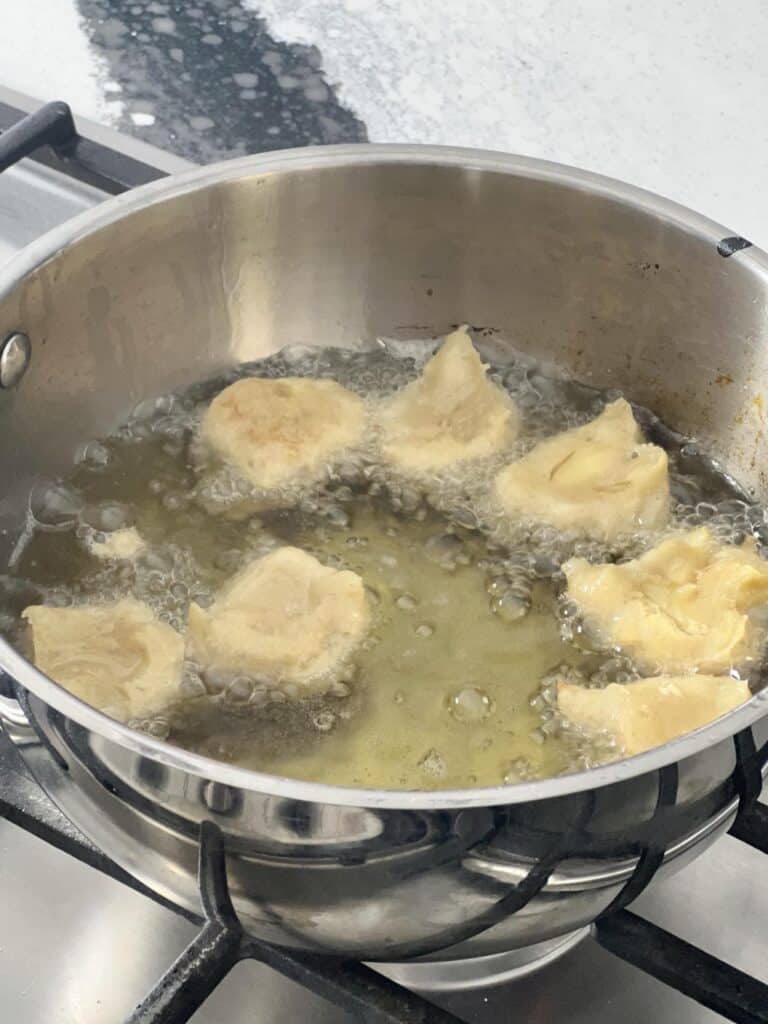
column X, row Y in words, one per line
column 215, row 680
column 510, row 607
column 470, row 705
column 324, row 721
column 192, row 686
column 108, row 516
column 54, row 506
column 338, row 517
column 447, row 550
column 95, row 455
column 160, row 728
column 240, row 690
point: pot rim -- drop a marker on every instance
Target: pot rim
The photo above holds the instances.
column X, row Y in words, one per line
column 48, row 246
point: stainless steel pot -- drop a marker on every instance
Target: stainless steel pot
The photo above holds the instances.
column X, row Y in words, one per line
column 337, row 246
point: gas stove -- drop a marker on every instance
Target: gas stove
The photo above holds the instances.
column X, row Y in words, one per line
column 81, row 941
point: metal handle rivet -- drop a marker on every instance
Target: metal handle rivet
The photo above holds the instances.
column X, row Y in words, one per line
column 15, row 354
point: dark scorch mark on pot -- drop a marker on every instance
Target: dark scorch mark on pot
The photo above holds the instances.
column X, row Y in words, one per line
column 207, row 81
column 734, row 243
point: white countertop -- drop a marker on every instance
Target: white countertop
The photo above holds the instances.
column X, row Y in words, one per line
column 668, row 95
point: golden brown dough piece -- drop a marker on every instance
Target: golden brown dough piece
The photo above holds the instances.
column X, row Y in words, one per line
column 600, row 479
column 682, row 606
column 284, row 618
column 276, row 431
column 650, row 712
column 450, row 414
column 117, row 657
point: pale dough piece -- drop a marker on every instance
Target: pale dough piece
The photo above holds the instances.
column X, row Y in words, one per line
column 284, row 618
column 450, row 414
column 599, row 479
column 683, row 605
column 650, row 712
column 122, row 545
column 117, row 657
column 274, row 431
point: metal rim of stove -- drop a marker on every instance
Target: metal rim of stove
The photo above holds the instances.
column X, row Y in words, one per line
column 164, row 189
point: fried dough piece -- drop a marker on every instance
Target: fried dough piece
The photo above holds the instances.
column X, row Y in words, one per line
column 117, row 657
column 649, row 712
column 274, row 432
column 452, row 413
column 600, row 479
column 687, row 604
column 284, row 618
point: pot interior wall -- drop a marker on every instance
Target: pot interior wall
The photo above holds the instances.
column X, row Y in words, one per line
column 609, row 291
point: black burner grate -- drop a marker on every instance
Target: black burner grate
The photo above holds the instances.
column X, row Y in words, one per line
column 50, row 136
column 690, row 970
column 221, row 942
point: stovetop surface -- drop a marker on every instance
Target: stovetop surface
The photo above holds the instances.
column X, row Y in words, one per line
column 77, row 946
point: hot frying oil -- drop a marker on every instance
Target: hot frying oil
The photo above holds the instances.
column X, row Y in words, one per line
column 452, row 686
